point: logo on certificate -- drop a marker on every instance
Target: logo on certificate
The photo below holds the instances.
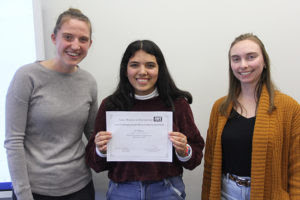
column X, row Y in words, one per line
column 157, row 119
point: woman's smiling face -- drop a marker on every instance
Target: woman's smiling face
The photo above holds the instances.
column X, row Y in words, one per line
column 72, row 42
column 142, row 72
column 247, row 62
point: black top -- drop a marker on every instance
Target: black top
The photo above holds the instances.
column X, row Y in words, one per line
column 237, row 144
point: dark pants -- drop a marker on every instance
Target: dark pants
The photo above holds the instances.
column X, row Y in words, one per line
column 86, row 193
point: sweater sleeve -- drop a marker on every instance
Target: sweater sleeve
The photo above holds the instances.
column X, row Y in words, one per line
column 89, row 127
column 94, row 161
column 17, row 101
column 208, row 156
column 294, row 154
column 185, row 121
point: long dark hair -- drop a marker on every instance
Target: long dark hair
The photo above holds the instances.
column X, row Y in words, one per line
column 123, row 97
column 235, row 85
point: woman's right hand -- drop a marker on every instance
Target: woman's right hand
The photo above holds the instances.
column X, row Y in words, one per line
column 101, row 140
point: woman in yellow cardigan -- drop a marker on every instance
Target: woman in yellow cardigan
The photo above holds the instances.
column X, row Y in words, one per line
column 253, row 140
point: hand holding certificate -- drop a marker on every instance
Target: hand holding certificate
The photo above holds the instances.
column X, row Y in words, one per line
column 139, row 136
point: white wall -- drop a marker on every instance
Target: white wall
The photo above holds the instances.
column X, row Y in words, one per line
column 194, row 36
column 17, row 39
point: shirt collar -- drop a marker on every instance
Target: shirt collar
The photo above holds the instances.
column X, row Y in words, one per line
column 148, row 96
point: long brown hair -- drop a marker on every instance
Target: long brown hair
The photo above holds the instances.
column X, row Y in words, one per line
column 235, row 85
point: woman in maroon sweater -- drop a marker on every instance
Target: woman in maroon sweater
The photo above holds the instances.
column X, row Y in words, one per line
column 146, row 85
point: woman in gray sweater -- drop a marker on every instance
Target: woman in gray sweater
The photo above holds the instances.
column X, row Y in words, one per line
column 49, row 105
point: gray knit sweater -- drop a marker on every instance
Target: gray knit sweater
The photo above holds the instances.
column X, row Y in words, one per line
column 47, row 113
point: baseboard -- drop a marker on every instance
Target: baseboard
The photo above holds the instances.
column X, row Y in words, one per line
column 5, row 195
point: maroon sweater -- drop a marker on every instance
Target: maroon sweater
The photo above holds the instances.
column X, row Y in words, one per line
column 183, row 122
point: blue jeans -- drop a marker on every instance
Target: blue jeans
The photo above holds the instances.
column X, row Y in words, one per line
column 171, row 188
column 233, row 191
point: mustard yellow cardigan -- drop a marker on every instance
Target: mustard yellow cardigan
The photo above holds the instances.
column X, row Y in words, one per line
column 275, row 165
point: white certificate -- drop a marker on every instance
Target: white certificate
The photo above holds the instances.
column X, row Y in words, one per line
column 139, row 136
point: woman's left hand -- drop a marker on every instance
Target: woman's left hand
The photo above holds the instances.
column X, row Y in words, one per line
column 179, row 141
